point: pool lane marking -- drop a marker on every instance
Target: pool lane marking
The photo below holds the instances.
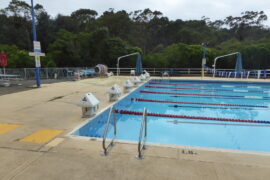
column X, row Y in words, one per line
column 253, row 97
column 205, row 107
column 215, row 97
column 42, row 136
column 197, row 103
column 210, row 95
column 227, row 86
column 203, row 89
column 188, row 94
column 178, row 84
column 191, row 117
column 240, row 90
column 221, row 124
column 212, row 85
column 253, row 87
column 5, row 128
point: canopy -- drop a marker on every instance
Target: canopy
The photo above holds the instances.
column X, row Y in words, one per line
column 3, row 59
column 139, row 65
column 238, row 65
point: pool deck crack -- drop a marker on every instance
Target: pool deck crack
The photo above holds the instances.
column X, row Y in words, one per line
column 21, row 168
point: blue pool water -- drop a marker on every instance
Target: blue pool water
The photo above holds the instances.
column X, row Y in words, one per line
column 195, row 99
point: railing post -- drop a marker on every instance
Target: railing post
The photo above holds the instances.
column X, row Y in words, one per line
column 24, row 73
column 47, row 75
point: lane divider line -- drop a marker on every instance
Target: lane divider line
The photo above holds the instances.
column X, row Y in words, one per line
column 212, row 85
column 190, row 117
column 197, row 103
column 203, row 89
column 157, row 92
column 209, row 95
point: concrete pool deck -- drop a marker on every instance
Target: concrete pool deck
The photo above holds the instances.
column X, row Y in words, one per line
column 34, row 145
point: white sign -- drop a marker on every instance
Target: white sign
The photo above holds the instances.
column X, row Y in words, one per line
column 36, row 54
column 203, row 61
column 37, row 60
column 37, row 45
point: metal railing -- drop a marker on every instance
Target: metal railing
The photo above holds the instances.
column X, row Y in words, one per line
column 68, row 73
column 106, row 148
column 143, row 135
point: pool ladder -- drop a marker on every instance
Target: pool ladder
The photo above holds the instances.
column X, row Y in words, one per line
column 142, row 136
column 106, row 148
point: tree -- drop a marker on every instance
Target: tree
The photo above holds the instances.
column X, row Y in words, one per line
column 17, row 58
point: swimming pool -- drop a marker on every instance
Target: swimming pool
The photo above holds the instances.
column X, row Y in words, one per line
column 215, row 114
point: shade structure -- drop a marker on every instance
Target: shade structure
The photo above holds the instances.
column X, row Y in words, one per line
column 139, row 65
column 238, row 65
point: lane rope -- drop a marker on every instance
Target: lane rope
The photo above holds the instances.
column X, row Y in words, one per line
column 203, row 89
column 211, row 107
column 215, row 97
column 190, row 117
column 209, row 95
column 197, row 103
column 212, row 85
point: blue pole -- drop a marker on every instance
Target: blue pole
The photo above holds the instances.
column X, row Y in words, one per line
column 204, row 51
column 37, row 69
column 203, row 59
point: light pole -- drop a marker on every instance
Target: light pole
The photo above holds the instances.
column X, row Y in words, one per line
column 37, row 58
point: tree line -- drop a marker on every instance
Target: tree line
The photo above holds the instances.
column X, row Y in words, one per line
column 85, row 38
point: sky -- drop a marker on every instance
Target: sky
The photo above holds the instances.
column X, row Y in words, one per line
column 173, row 9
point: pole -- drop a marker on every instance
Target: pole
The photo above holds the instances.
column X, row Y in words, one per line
column 204, row 57
column 4, row 73
column 37, row 69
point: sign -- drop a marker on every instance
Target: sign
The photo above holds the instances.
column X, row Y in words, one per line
column 37, row 47
column 36, row 54
column 37, row 60
column 203, row 61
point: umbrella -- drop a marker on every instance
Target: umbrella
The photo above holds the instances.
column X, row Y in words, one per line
column 139, row 65
column 239, row 66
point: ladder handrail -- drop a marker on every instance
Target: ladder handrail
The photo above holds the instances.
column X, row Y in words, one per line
column 105, row 148
column 142, row 137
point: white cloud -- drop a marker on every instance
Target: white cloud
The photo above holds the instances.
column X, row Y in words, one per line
column 174, row 9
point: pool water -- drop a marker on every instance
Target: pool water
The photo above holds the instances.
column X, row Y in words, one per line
column 216, row 114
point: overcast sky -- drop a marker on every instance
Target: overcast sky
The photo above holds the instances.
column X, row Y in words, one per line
column 174, row 9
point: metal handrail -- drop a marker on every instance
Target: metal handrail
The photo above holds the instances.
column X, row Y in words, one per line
column 143, row 130
column 105, row 148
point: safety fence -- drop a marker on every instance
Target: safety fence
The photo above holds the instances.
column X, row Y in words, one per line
column 222, row 73
column 46, row 73
column 70, row 72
